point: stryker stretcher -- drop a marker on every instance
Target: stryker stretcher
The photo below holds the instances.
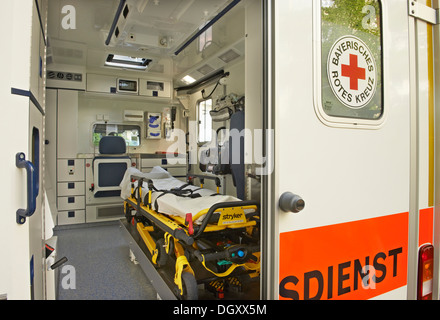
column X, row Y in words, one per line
column 212, row 238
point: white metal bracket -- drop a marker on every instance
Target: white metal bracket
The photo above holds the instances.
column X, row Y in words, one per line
column 423, row 12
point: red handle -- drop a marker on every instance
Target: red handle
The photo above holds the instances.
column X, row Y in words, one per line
column 189, row 221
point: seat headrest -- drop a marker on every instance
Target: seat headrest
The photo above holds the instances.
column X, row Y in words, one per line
column 112, row 145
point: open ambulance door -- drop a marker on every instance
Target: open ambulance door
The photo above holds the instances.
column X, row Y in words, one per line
column 349, row 98
column 22, row 271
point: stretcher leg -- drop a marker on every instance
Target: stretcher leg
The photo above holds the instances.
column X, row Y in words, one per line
column 184, row 277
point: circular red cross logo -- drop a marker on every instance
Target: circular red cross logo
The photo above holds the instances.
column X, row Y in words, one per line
column 351, row 70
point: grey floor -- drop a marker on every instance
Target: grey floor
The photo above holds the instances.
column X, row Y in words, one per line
column 98, row 265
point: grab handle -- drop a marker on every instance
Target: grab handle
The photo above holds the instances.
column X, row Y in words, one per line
column 32, row 192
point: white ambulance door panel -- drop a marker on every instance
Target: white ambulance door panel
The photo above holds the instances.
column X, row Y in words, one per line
column 15, row 271
column 341, row 118
column 14, row 238
column 21, row 245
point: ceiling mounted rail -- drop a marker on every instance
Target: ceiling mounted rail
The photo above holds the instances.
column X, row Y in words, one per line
column 209, row 24
column 203, row 83
column 115, row 21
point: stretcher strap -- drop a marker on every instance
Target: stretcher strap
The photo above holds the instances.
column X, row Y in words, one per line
column 182, row 265
column 180, row 192
column 167, row 237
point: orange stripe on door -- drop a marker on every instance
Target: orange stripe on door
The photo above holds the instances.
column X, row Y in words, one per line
column 426, row 225
column 353, row 260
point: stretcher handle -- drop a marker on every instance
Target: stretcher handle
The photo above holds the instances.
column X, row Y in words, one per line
column 227, row 253
column 140, row 184
column 220, row 205
column 139, row 178
column 32, row 188
column 180, row 234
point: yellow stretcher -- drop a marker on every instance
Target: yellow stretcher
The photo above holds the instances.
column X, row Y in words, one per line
column 222, row 252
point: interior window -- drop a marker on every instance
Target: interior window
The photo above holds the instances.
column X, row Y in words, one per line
column 205, row 39
column 205, row 121
column 351, row 59
column 130, row 133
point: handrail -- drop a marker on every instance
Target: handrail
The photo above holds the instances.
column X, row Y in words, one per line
column 209, row 24
column 115, row 21
column 32, row 192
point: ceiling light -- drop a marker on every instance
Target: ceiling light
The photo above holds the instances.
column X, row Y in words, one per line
column 126, row 62
column 188, row 79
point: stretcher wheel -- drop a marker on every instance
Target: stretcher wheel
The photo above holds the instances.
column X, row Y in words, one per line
column 190, row 291
column 162, row 256
column 127, row 212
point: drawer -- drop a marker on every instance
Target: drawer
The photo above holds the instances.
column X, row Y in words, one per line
column 153, row 162
column 71, row 217
column 71, row 189
column 71, row 170
column 71, row 203
column 177, row 171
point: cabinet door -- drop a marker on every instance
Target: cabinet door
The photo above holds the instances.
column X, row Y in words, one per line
column 67, row 123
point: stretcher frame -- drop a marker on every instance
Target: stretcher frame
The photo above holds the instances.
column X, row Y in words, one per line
column 179, row 238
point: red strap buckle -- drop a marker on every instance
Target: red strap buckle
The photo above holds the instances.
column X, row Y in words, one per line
column 189, row 222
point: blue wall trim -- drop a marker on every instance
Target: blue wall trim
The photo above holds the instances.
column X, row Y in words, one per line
column 27, row 93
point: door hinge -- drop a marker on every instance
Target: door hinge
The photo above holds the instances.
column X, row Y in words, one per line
column 423, row 12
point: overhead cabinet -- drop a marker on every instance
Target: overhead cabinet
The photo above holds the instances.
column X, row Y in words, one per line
column 133, row 86
column 154, row 88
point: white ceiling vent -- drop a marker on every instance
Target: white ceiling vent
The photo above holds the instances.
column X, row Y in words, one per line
column 68, row 52
column 62, row 52
column 228, row 56
column 206, row 69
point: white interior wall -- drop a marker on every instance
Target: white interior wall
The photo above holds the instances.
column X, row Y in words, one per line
column 235, row 84
column 90, row 105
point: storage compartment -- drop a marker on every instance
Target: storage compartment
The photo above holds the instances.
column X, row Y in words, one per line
column 155, row 88
column 176, row 171
column 101, row 83
column 150, row 163
column 71, row 203
column 71, row 188
column 70, row 170
column 104, row 212
column 71, row 217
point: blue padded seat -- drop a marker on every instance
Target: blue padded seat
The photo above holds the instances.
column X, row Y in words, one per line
column 109, row 167
column 112, row 145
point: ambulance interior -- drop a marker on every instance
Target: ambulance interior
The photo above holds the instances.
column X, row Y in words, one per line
column 127, row 82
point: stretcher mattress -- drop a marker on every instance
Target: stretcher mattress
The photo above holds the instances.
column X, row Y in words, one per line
column 169, row 203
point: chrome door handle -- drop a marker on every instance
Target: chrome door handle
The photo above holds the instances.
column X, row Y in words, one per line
column 32, row 188
column 290, row 202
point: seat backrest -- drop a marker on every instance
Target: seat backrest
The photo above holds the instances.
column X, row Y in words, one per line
column 112, row 145
column 237, row 122
column 109, row 168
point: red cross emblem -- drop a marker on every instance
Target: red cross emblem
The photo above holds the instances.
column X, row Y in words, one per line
column 353, row 72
